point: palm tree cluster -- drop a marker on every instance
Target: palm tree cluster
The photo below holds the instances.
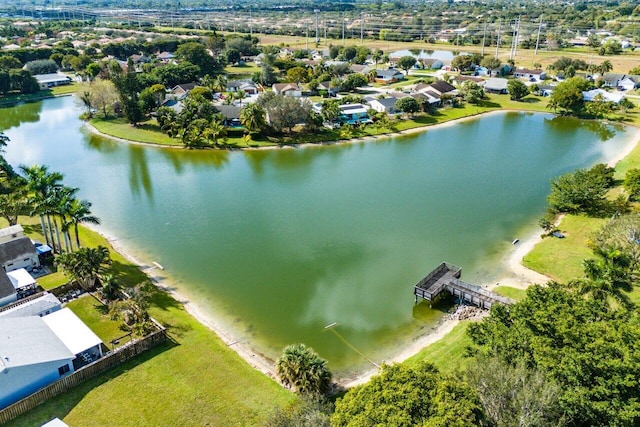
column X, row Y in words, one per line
column 59, row 209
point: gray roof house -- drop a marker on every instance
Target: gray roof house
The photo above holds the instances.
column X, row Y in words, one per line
column 388, row 76
column 496, row 85
column 384, row 105
column 19, row 253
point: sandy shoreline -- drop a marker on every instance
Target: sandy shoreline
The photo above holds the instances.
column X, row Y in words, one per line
column 516, row 275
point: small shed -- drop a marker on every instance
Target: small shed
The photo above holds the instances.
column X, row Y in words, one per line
column 22, row 282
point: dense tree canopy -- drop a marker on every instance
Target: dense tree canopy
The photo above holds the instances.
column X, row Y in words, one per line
column 583, row 344
column 567, row 96
column 401, row 395
column 580, row 191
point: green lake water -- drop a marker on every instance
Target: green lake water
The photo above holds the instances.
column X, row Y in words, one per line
column 280, row 243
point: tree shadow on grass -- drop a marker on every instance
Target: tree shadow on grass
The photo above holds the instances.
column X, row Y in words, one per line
column 60, row 406
column 128, row 274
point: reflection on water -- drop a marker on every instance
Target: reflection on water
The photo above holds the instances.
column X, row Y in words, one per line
column 23, row 113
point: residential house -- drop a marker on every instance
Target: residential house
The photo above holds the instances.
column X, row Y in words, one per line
column 331, row 90
column 431, row 63
column 32, row 356
column 182, row 90
column 140, row 59
column 8, row 293
column 18, row 253
column 388, row 76
column 481, row 71
column 441, row 87
column 41, row 306
column 354, row 114
column 230, row 114
column 496, row 85
column 591, row 95
column 459, row 80
column 384, row 105
column 360, row 69
column 288, row 89
column 428, row 98
column 545, row 90
column 248, row 86
column 52, row 79
column 530, row 75
column 166, row 57
column 629, row 82
column 502, row 70
column 612, row 79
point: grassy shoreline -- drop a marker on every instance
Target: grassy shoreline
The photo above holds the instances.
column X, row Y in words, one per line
column 149, row 132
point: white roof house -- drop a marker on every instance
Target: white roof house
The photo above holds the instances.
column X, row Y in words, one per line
column 72, row 331
column 591, row 95
column 52, row 79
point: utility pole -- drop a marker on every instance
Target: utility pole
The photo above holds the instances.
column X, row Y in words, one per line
column 484, row 35
column 498, row 41
column 361, row 27
column 307, row 37
column 516, row 41
column 317, row 34
column 251, row 24
column 342, row 28
column 538, row 38
column 325, row 30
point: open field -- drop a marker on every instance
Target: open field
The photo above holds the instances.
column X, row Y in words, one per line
column 524, row 57
column 192, row 380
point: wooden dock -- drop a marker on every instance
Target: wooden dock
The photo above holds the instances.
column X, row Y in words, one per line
column 446, row 277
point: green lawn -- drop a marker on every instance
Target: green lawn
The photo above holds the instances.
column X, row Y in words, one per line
column 561, row 259
column 509, row 292
column 96, row 316
column 192, row 380
column 446, row 354
column 148, row 131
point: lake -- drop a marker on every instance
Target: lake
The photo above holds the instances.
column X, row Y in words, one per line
column 280, row 243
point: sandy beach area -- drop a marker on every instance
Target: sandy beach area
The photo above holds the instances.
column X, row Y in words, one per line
column 516, row 275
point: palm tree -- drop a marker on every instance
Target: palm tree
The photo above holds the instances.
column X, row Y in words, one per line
column 79, row 212
column 240, row 95
column 85, row 265
column 221, row 83
column 253, row 117
column 302, row 369
column 609, row 275
column 57, row 203
column 41, row 183
column 215, row 132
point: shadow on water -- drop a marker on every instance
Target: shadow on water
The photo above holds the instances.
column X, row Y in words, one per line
column 139, row 175
column 180, row 158
column 19, row 114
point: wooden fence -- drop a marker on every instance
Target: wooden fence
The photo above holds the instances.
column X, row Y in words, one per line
column 111, row 359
